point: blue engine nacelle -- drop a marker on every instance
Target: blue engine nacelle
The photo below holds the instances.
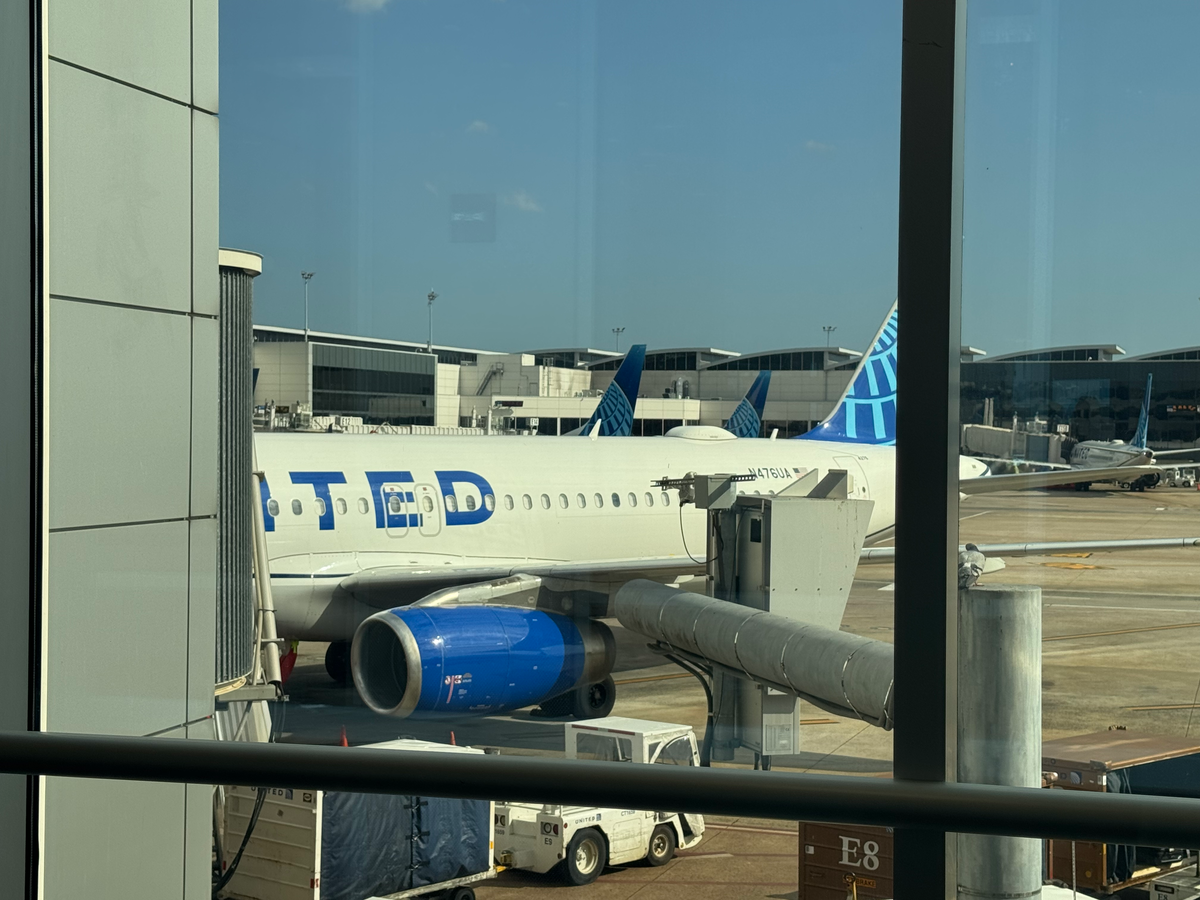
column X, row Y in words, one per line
column 476, row 660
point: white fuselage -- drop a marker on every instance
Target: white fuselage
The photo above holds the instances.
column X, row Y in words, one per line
column 431, row 504
column 1108, row 454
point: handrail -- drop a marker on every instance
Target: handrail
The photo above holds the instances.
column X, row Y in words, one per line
column 972, row 808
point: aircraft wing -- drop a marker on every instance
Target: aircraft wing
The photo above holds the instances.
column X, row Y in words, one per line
column 886, row 554
column 385, row 586
column 986, row 484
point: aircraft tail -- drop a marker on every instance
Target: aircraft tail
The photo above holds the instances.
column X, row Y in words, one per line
column 615, row 412
column 1139, row 439
column 866, row 412
column 746, row 420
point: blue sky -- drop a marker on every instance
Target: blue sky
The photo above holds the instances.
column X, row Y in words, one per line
column 718, row 174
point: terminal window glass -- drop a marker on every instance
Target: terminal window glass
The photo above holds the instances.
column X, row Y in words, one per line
column 604, row 747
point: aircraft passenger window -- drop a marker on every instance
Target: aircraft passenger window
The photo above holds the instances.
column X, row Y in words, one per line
column 363, row 506
column 451, row 503
column 394, row 504
column 563, row 501
column 273, row 507
column 508, row 501
column 340, row 505
column 581, row 501
column 527, row 501
column 616, row 499
column 427, row 503
column 470, row 501
column 649, row 499
column 632, row 499
column 489, row 502
column 320, row 507
column 599, row 501
column 545, row 501
column 297, row 507
column 666, row 499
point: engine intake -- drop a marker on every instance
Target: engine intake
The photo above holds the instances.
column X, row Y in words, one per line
column 429, row 660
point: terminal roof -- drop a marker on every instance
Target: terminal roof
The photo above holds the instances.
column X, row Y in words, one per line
column 1077, row 353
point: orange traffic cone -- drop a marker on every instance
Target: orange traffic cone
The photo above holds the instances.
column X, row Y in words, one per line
column 343, row 742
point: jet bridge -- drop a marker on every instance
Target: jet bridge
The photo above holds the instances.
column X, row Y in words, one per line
column 780, row 568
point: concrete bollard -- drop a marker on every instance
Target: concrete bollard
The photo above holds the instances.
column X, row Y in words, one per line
column 999, row 729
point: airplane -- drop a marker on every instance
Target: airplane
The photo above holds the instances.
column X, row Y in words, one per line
column 457, row 576
column 746, row 419
column 613, row 416
column 1106, row 454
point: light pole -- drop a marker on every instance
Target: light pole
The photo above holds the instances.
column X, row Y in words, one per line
column 431, row 297
column 307, row 276
column 617, row 338
column 829, row 330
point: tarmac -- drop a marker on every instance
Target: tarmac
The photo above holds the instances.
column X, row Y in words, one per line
column 1120, row 639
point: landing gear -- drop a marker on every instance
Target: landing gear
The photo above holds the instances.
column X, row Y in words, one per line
column 590, row 701
column 337, row 661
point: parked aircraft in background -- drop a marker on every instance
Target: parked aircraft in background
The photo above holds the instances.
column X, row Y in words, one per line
column 746, row 420
column 614, row 414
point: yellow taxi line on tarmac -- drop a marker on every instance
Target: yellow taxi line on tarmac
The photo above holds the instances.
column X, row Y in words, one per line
column 1167, row 706
column 1091, row 634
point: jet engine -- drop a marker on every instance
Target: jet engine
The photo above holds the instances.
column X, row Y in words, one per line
column 475, row 661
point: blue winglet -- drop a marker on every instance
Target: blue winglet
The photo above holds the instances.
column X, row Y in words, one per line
column 1139, row 439
column 746, row 420
column 615, row 412
column 866, row 413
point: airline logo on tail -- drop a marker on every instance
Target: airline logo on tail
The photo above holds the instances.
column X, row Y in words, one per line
column 1139, row 439
column 866, row 414
column 746, row 420
column 615, row 412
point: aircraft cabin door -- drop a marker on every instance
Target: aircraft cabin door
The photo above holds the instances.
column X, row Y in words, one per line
column 428, row 509
column 862, row 489
column 396, row 503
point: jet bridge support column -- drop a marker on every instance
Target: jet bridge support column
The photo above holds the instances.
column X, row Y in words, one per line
column 999, row 728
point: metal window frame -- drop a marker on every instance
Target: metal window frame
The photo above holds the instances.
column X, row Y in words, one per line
column 928, row 296
column 911, row 804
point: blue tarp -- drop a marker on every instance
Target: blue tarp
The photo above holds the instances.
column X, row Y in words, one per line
column 380, row 844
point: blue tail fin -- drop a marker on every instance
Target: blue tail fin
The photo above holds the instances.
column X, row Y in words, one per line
column 615, row 412
column 866, row 413
column 746, row 420
column 1139, row 439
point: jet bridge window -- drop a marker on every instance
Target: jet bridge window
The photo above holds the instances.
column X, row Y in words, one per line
column 297, row 507
column 273, row 507
column 603, row 747
column 340, row 505
column 563, row 501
